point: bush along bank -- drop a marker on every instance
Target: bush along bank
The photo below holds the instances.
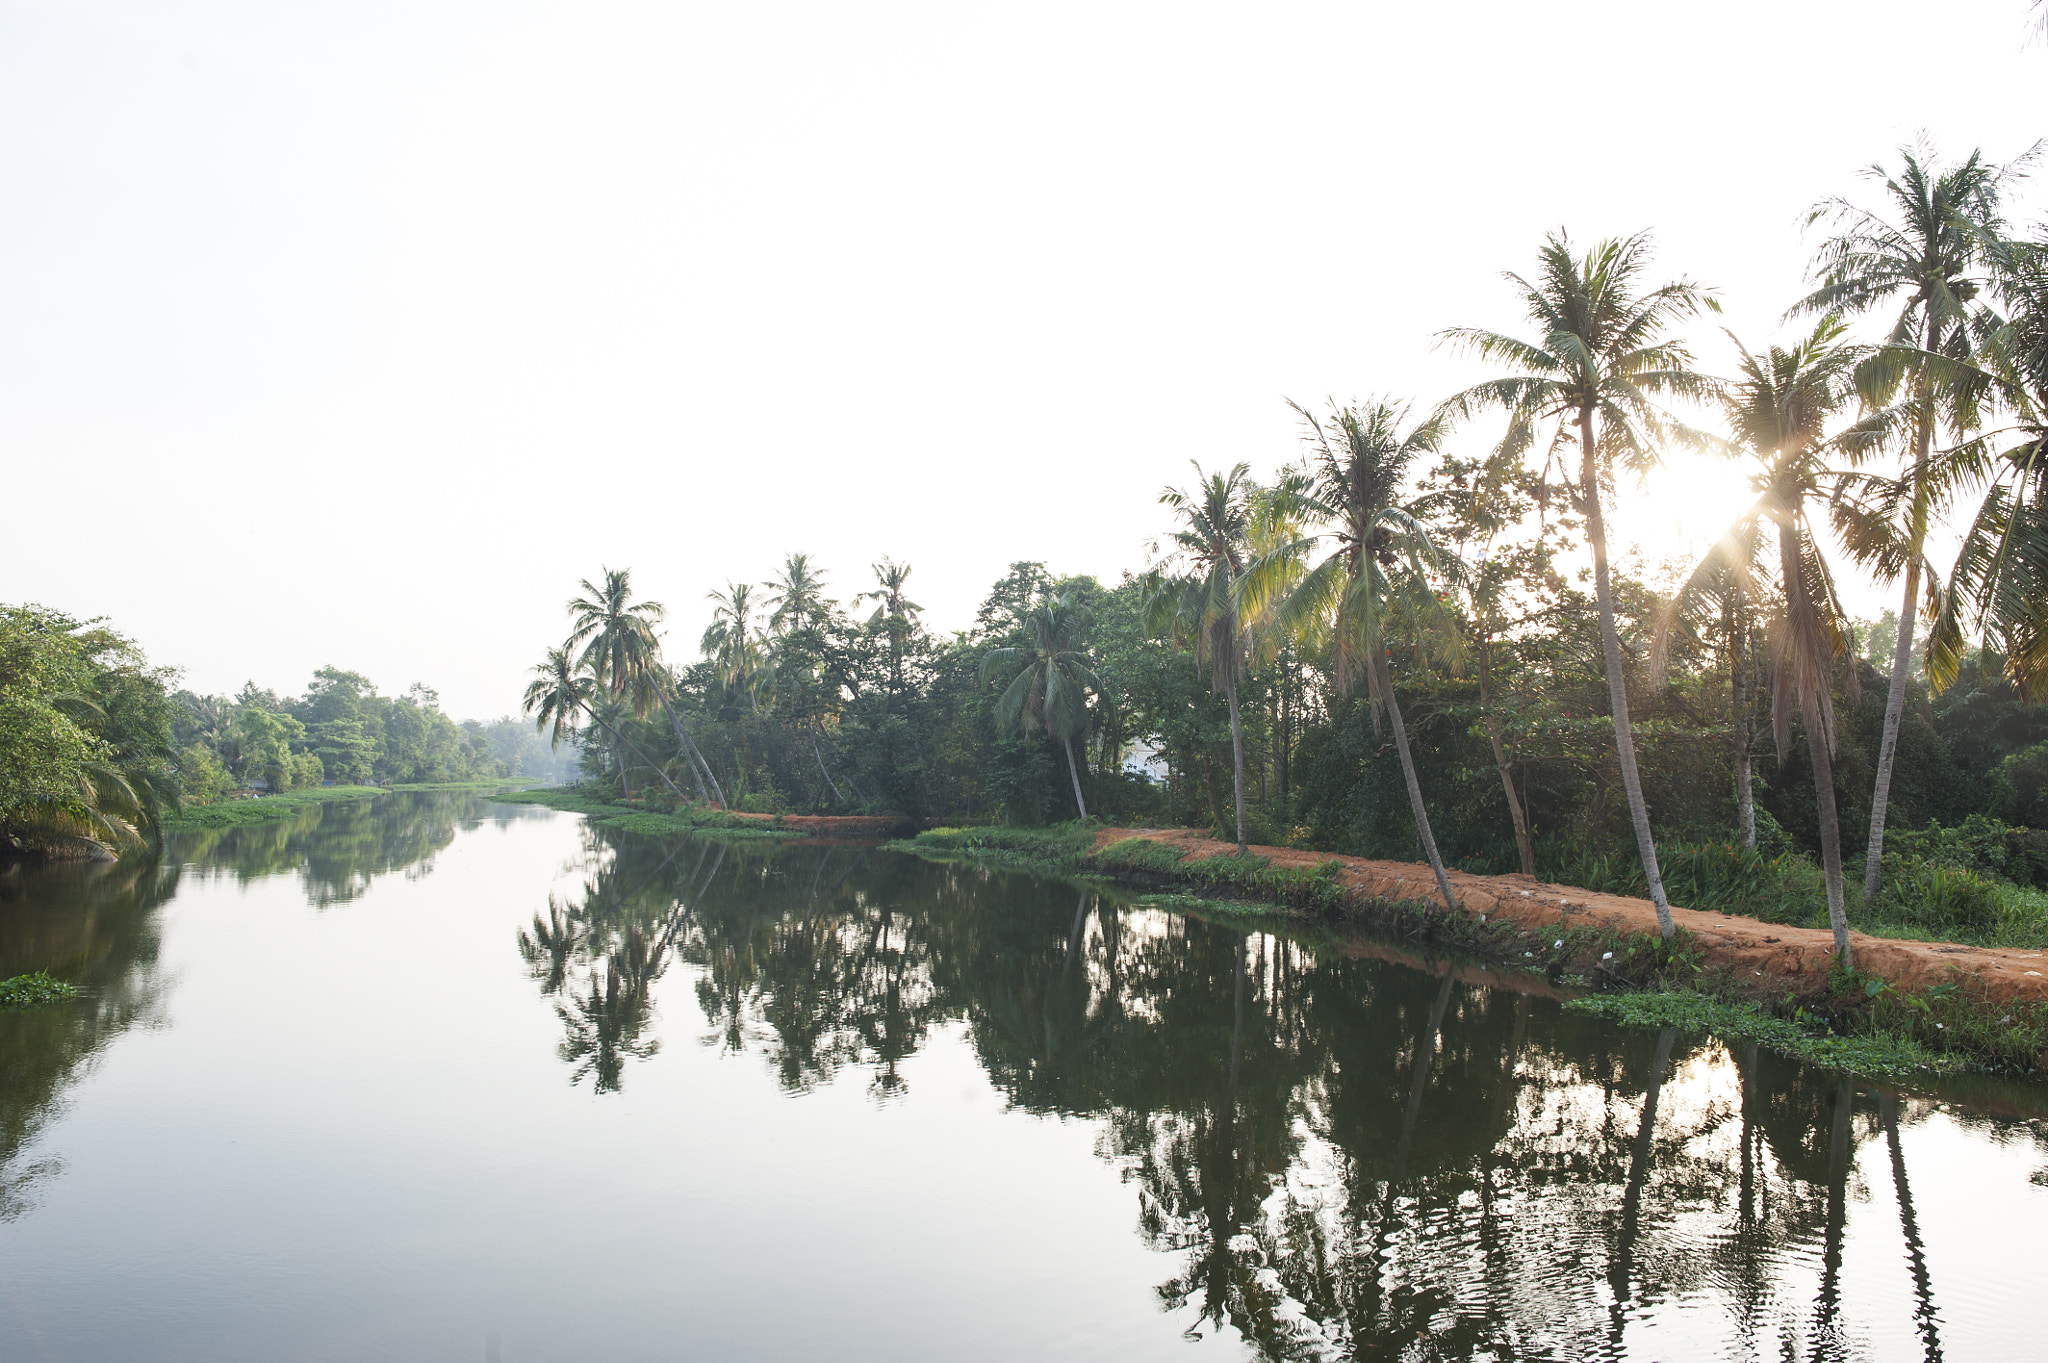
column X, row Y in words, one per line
column 1746, row 981
column 597, row 809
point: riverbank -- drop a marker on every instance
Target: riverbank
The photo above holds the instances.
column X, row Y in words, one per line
column 729, row 823
column 1905, row 1006
column 269, row 808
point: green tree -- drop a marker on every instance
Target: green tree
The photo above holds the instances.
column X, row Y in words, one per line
column 1194, row 596
column 621, row 652
column 1050, row 688
column 1931, row 259
column 1605, row 354
column 1779, row 408
column 1352, row 484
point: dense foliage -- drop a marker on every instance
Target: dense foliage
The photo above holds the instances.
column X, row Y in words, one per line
column 98, row 748
column 1416, row 639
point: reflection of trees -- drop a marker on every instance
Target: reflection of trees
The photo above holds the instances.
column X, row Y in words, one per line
column 1344, row 1157
column 338, row 849
column 90, row 924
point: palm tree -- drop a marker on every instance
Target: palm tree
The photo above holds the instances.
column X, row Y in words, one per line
column 561, row 689
column 796, row 599
column 1778, row 409
column 1935, row 258
column 1605, row 354
column 1356, row 469
column 2000, row 581
column 1200, row 607
column 894, row 611
column 730, row 641
column 623, row 654
column 1050, row 689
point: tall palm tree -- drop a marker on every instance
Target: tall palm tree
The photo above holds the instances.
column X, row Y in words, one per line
column 1605, row 354
column 1198, row 605
column 2000, row 582
column 623, row 654
column 731, row 641
column 796, row 598
column 1778, row 409
column 895, row 612
column 1050, row 688
column 1356, row 469
column 1932, row 259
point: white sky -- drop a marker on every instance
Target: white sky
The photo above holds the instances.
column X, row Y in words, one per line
column 356, row 333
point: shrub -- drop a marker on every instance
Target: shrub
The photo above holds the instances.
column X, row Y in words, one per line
column 1940, row 897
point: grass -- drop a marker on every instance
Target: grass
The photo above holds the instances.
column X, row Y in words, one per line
column 653, row 823
column 264, row 808
column 27, row 991
column 1857, row 1022
column 498, row 784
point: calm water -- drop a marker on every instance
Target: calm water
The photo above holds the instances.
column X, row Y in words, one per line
column 433, row 1078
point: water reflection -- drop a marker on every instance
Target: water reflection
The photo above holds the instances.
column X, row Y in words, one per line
column 90, row 924
column 1345, row 1156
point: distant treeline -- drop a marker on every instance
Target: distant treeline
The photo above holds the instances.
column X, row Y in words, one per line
column 97, row 745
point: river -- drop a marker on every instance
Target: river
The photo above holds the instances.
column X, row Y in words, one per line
column 432, row 1077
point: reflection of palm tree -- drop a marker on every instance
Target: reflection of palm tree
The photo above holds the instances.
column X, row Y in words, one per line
column 1620, row 1268
column 1829, row 1341
column 1925, row 1318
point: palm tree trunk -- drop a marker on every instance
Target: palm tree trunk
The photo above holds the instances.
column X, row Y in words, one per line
column 816, row 752
column 1236, row 741
column 1617, row 682
column 1523, row 847
column 699, row 769
column 1902, row 651
column 1819, row 742
column 1377, row 659
column 622, row 742
column 1888, row 746
column 1075, row 772
column 1738, row 701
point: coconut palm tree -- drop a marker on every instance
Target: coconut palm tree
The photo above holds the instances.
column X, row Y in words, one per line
column 1931, row 258
column 1778, row 409
column 2000, row 582
column 563, row 688
column 796, row 598
column 1052, row 682
column 1605, row 354
column 621, row 651
column 895, row 612
column 1198, row 605
column 1356, row 470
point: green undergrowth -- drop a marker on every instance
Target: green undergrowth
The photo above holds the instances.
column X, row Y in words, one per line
column 1855, row 1021
column 27, row 991
column 484, row 786
column 654, row 823
column 264, row 808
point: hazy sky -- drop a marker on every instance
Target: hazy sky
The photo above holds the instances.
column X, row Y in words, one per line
column 356, row 333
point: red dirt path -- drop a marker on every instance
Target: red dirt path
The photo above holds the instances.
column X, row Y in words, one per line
column 1795, row 958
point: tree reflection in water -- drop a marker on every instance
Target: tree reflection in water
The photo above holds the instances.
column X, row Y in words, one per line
column 1348, row 1157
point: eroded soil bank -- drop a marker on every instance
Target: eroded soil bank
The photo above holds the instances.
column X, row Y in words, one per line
column 1776, row 957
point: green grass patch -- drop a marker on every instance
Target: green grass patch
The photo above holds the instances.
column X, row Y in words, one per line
column 500, row 784
column 1062, row 848
column 1882, row 1054
column 264, row 808
column 27, row 991
column 650, row 822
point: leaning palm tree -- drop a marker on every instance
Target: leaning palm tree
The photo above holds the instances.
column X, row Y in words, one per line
column 731, row 641
column 1052, row 682
column 1778, row 408
column 562, row 689
column 1352, row 484
column 2000, row 582
column 623, row 654
column 1193, row 597
column 1932, row 258
column 1605, row 354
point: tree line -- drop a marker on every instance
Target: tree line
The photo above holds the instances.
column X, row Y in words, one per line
column 1415, row 639
column 98, row 747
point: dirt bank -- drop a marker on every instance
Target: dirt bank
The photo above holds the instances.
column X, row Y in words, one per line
column 1794, row 958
